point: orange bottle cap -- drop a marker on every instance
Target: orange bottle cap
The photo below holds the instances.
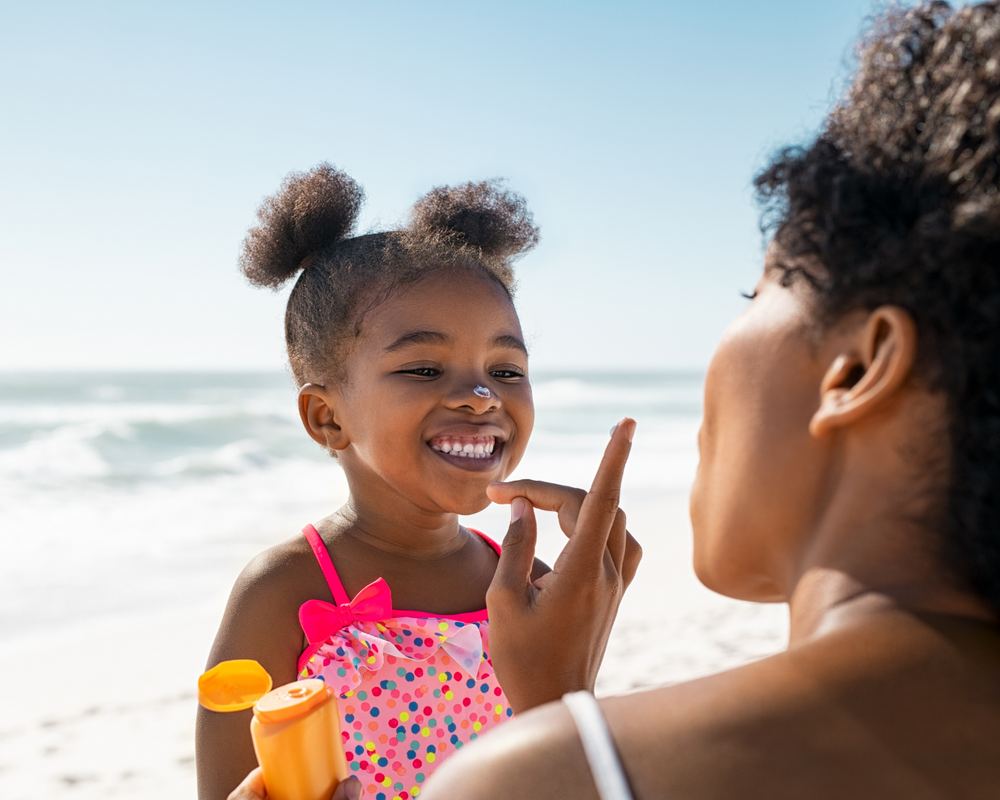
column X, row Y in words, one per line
column 233, row 685
column 290, row 701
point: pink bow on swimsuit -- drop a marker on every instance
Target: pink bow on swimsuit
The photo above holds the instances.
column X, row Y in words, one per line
column 320, row 620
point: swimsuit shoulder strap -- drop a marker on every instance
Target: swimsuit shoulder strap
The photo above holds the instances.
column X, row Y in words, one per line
column 330, row 571
column 486, row 539
column 326, row 564
column 605, row 766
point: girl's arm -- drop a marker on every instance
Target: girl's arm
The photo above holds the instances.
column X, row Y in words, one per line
column 260, row 623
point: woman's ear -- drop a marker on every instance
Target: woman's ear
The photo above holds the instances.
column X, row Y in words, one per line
column 875, row 363
column 317, row 408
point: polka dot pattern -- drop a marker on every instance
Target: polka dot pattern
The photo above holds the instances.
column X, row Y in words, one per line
column 411, row 692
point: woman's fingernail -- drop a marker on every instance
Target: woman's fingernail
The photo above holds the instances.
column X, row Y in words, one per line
column 631, row 429
column 354, row 789
column 517, row 508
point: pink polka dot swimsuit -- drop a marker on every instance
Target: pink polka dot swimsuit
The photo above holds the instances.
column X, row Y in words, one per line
column 412, row 688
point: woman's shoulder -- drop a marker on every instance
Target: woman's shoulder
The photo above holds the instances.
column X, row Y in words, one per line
column 898, row 711
column 821, row 721
column 665, row 738
column 740, row 732
column 537, row 755
column 708, row 737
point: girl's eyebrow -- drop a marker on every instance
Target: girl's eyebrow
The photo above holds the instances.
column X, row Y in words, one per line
column 507, row 340
column 436, row 337
column 418, row 337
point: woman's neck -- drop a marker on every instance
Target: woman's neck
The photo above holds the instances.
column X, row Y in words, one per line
column 828, row 599
column 874, row 537
column 868, row 563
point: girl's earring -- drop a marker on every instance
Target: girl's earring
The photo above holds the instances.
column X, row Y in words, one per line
column 481, row 391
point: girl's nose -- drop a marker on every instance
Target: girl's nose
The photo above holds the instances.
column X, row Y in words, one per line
column 477, row 397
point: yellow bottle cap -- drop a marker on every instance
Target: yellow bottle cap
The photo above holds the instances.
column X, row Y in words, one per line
column 233, row 685
column 290, row 701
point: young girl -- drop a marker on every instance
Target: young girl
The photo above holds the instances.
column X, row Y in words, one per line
column 414, row 376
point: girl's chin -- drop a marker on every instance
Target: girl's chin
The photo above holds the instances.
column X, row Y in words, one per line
column 466, row 508
column 463, row 503
column 462, row 486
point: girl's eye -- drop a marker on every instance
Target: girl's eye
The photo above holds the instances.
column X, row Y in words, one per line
column 750, row 296
column 506, row 374
column 422, row 372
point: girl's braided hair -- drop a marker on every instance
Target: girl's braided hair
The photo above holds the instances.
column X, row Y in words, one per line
column 897, row 202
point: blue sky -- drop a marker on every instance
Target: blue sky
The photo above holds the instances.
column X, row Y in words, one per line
column 137, row 139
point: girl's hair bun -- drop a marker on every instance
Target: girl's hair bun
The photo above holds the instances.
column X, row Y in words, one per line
column 310, row 212
column 484, row 215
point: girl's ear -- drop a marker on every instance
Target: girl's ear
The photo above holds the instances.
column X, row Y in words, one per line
column 875, row 363
column 317, row 408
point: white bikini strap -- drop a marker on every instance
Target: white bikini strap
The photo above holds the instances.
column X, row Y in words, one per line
column 609, row 777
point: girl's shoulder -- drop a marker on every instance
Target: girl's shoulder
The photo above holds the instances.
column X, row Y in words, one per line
column 287, row 571
column 261, row 618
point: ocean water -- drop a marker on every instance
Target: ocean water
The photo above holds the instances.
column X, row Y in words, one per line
column 129, row 493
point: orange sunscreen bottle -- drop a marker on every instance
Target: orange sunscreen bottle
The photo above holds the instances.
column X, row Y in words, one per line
column 295, row 728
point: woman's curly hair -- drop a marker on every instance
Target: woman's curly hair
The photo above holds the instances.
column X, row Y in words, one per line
column 897, row 202
column 307, row 224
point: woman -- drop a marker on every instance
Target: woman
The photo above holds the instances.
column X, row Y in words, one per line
column 850, row 466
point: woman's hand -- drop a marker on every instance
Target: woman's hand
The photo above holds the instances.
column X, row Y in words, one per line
column 548, row 637
column 252, row 788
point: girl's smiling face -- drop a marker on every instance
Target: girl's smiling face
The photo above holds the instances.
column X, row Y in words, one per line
column 406, row 420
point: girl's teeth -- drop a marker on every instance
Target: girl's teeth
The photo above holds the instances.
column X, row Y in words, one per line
column 482, row 448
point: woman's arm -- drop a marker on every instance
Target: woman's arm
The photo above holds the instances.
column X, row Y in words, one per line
column 548, row 635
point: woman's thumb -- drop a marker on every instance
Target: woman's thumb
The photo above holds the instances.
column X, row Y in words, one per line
column 517, row 556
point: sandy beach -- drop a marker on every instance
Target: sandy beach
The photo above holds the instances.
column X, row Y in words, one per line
column 129, row 505
column 108, row 710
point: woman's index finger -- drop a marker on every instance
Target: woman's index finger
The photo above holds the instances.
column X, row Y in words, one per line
column 601, row 503
column 543, row 496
